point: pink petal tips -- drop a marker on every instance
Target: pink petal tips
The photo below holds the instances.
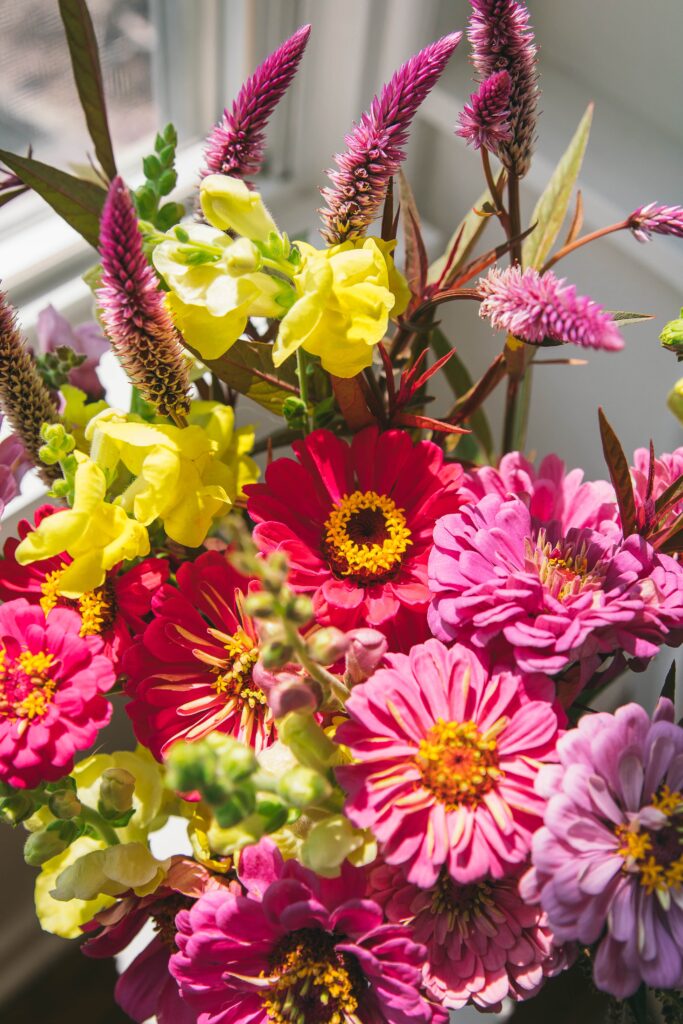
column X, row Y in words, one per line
column 654, row 219
column 485, row 120
column 375, row 146
column 134, row 312
column 236, row 144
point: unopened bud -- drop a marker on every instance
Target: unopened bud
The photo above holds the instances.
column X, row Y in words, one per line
column 307, row 741
column 116, row 792
column 274, row 572
column 299, row 609
column 236, row 808
column 367, row 648
column 260, row 605
column 675, row 400
column 16, row 808
column 43, row 846
column 273, row 811
column 302, row 787
column 276, row 654
column 327, row 645
column 235, row 760
column 64, row 804
column 185, row 770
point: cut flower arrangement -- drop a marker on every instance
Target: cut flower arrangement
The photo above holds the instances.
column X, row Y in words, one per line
column 363, row 680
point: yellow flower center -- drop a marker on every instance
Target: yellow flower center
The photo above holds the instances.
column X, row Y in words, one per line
column 50, row 589
column 311, row 983
column 96, row 607
column 366, row 537
column 656, row 854
column 460, row 904
column 562, row 568
column 459, row 764
column 233, row 673
column 26, row 686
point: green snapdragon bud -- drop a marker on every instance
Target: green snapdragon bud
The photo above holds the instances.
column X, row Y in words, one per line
column 16, row 808
column 327, row 646
column 311, row 747
column 116, row 793
column 43, row 846
column 64, row 804
column 299, row 609
column 276, row 654
column 236, row 808
column 274, row 572
column 301, row 787
column 672, row 337
column 260, row 605
column 675, row 400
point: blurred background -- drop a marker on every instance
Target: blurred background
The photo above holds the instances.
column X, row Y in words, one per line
column 181, row 61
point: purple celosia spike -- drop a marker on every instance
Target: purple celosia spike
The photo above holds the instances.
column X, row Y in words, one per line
column 502, row 40
column 485, row 120
column 375, row 146
column 657, row 220
column 134, row 312
column 236, row 144
column 533, row 307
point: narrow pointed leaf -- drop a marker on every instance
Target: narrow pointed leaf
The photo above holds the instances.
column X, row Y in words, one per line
column 460, row 381
column 78, row 202
column 247, row 367
column 670, row 496
column 416, row 264
column 620, row 475
column 551, row 208
column 7, row 197
column 624, row 318
column 85, row 61
column 409, row 419
column 669, row 688
column 464, row 238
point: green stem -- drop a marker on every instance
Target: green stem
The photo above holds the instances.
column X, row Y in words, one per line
column 516, row 356
column 303, row 382
column 97, row 822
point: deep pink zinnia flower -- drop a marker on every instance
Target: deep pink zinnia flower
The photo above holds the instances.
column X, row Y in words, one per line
column 190, row 673
column 549, row 597
column 297, row 947
column 134, row 312
column 650, row 482
column 115, row 611
column 534, row 307
column 146, row 988
column 484, row 944
column 236, row 144
column 375, row 146
column 51, row 686
column 485, row 120
column 654, row 219
column 608, row 863
column 355, row 522
column 502, row 40
column 446, row 751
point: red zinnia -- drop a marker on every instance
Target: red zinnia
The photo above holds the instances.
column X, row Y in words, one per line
column 355, row 522
column 190, row 673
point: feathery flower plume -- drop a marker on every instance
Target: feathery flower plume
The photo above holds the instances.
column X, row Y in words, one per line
column 502, row 40
column 485, row 120
column 235, row 145
column 24, row 398
column 134, row 312
column 375, row 146
column 653, row 219
column 533, row 307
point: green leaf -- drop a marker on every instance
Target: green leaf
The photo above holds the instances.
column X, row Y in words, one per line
column 551, row 208
column 637, row 1004
column 620, row 475
column 464, row 238
column 624, row 318
column 416, row 265
column 85, row 61
column 247, row 367
column 458, row 376
column 669, row 688
column 78, row 202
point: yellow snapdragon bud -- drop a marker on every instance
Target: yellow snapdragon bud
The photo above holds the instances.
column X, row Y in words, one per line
column 229, row 204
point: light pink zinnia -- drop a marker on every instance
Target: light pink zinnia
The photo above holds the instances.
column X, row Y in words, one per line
column 608, row 863
column 548, row 597
column 654, row 219
column 51, row 685
column 484, row 944
column 446, row 751
column 485, row 120
column 534, row 307
column 666, row 469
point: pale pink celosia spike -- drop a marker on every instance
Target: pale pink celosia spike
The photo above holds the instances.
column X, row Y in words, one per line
column 375, row 146
column 236, row 144
column 532, row 307
column 502, row 40
column 654, row 219
column 134, row 311
column 485, row 120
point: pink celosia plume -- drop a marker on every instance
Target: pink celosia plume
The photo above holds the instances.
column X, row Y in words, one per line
column 236, row 144
column 654, row 219
column 375, row 146
column 485, row 120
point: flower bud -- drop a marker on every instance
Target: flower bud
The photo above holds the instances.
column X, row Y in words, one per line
column 260, row 605
column 273, row 811
column 367, row 648
column 273, row 572
column 64, row 804
column 116, row 792
column 299, row 609
column 276, row 654
column 236, row 808
column 672, row 336
column 287, row 691
column 16, row 808
column 302, row 787
column 327, row 645
column 235, row 760
column 43, row 846
column 229, row 204
column 675, row 400
column 185, row 767
column 307, row 741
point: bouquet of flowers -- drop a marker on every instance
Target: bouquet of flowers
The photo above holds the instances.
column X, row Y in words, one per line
column 363, row 680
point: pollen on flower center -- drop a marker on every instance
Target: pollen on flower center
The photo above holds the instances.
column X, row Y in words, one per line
column 26, row 685
column 366, row 537
column 311, row 982
column 656, row 854
column 50, row 589
column 233, row 674
column 459, row 904
column 562, row 568
column 458, row 763
column 97, row 608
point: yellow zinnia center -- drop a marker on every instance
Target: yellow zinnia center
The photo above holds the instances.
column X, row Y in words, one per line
column 26, row 686
column 458, row 763
column 366, row 537
column 311, row 981
column 97, row 607
column 656, row 854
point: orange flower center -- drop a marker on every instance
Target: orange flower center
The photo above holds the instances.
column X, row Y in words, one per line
column 366, row 536
column 458, row 763
column 26, row 685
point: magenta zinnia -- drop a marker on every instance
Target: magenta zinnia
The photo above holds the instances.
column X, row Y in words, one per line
column 485, row 120
column 549, row 596
column 134, row 312
column 51, row 686
column 236, row 144
column 484, row 944
column 355, row 522
column 191, row 671
column 446, row 751
column 297, row 947
column 534, row 307
column 608, row 864
column 375, row 146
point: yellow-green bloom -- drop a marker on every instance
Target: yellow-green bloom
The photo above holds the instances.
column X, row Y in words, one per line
column 346, row 295
column 111, row 871
column 675, row 400
column 97, row 534
column 150, row 798
column 78, row 412
column 232, row 206
column 66, row 919
column 232, row 444
column 333, row 840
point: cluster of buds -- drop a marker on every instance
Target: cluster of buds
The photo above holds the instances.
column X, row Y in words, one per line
column 55, row 367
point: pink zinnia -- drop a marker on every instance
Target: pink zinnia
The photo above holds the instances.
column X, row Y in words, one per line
column 484, row 944
column 485, row 120
column 548, row 597
column 190, row 673
column 355, row 522
column 297, row 947
column 51, row 686
column 447, row 750
column 608, row 864
column 650, row 482
column 655, row 219
column 534, row 307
